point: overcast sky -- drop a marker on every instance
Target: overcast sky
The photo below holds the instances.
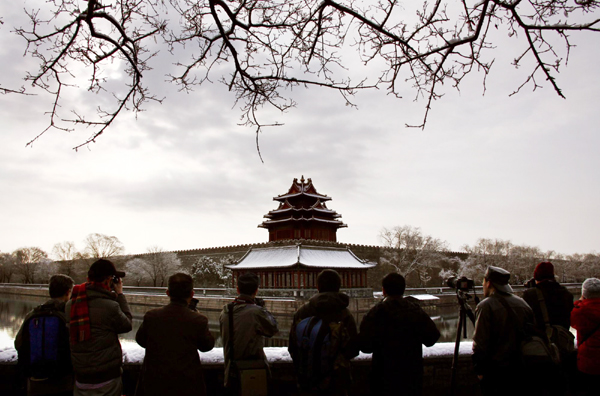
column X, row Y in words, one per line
column 184, row 175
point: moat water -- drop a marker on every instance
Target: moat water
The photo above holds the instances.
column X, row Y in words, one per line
column 13, row 310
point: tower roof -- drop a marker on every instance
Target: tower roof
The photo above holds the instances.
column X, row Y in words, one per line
column 302, row 188
column 300, row 255
column 302, row 207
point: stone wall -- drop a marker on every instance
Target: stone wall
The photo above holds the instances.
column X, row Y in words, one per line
column 437, row 376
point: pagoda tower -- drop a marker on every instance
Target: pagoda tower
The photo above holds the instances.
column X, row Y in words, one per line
column 302, row 214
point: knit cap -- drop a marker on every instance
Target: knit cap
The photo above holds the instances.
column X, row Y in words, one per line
column 591, row 288
column 544, row 270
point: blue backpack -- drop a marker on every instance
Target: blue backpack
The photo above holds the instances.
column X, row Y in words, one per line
column 45, row 350
column 319, row 351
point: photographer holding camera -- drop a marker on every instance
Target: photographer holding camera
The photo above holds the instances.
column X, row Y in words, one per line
column 244, row 323
column 172, row 336
column 97, row 313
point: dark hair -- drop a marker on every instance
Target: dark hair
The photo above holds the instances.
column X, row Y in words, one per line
column 248, row 283
column 181, row 286
column 329, row 281
column 60, row 285
column 394, row 284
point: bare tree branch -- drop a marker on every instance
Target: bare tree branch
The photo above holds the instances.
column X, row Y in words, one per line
column 262, row 50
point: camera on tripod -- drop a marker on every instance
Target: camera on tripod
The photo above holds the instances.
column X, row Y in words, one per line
column 463, row 284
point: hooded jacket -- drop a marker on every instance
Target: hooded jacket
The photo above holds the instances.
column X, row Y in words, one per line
column 329, row 307
column 100, row 358
column 585, row 318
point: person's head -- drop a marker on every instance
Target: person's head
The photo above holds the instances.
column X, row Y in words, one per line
column 329, row 281
column 61, row 286
column 248, row 284
column 103, row 270
column 393, row 284
column 496, row 279
column 591, row 288
column 180, row 286
column 543, row 271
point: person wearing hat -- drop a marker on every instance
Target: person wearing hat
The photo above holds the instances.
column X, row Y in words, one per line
column 495, row 340
column 558, row 300
column 251, row 323
column 551, row 304
column 585, row 318
column 97, row 313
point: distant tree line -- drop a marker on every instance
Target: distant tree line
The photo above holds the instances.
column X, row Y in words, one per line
column 33, row 265
column 425, row 261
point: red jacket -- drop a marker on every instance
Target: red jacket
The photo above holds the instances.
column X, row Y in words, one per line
column 585, row 318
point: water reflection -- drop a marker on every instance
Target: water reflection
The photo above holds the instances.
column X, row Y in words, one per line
column 14, row 308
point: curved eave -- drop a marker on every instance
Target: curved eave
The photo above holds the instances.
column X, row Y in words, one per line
column 279, row 211
column 290, row 219
column 300, row 265
column 317, row 196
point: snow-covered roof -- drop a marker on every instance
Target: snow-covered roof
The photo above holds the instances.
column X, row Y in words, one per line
column 304, row 219
column 307, row 256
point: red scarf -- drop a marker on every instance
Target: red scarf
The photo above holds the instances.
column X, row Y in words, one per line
column 79, row 323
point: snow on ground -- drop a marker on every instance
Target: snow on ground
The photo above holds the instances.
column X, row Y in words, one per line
column 134, row 354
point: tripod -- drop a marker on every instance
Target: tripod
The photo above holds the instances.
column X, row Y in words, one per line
column 464, row 312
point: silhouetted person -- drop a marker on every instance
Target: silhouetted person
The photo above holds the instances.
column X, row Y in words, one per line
column 98, row 312
column 331, row 307
column 395, row 331
column 251, row 323
column 56, row 375
column 172, row 336
column 496, row 340
column 585, row 318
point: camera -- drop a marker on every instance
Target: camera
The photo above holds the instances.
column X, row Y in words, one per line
column 462, row 284
column 193, row 304
column 116, row 279
column 530, row 283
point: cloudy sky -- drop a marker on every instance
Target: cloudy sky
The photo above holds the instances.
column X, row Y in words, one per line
column 184, row 175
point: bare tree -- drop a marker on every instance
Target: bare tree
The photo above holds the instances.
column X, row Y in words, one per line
column 45, row 269
column 263, row 49
column 27, row 260
column 160, row 265
column 411, row 251
column 7, row 267
column 136, row 273
column 102, row 246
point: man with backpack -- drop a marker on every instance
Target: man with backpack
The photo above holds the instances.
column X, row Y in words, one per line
column 246, row 366
column 98, row 312
column 501, row 319
column 42, row 343
column 395, row 331
column 323, row 339
column 552, row 305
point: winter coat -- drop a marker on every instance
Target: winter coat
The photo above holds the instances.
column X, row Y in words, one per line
column 395, row 331
column 63, row 383
column 495, row 340
column 329, row 307
column 251, row 323
column 100, row 358
column 559, row 303
column 172, row 336
column 585, row 318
